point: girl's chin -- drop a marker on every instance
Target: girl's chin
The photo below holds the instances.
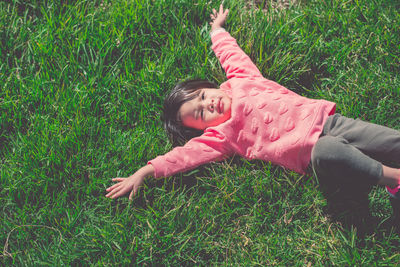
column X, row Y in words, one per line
column 225, row 118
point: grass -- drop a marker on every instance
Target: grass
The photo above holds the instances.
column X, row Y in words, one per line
column 82, row 85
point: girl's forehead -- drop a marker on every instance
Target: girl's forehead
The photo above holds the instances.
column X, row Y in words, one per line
column 194, row 93
column 186, row 108
column 183, row 109
column 187, row 114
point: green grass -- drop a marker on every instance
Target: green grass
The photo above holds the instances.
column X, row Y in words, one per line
column 82, row 85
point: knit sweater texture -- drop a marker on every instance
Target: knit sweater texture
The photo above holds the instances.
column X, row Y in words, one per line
column 268, row 121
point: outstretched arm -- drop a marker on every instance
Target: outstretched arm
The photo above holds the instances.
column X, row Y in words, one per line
column 199, row 150
column 234, row 60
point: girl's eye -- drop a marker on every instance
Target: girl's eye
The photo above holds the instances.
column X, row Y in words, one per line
column 202, row 96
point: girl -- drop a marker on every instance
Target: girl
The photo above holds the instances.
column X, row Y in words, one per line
column 260, row 119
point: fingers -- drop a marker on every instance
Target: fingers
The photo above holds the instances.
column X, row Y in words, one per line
column 120, row 188
column 112, row 191
column 214, row 15
column 115, row 193
column 120, row 191
column 112, row 187
column 119, row 180
column 133, row 193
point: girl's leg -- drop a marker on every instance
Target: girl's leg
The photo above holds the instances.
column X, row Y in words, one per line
column 378, row 142
column 333, row 158
column 353, row 149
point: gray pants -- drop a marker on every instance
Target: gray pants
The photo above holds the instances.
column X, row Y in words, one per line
column 354, row 149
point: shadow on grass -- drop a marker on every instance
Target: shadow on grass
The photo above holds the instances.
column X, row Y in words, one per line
column 348, row 204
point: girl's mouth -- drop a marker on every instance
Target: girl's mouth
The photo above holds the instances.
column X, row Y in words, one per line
column 220, row 106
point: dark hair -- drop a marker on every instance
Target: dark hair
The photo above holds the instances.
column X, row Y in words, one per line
column 181, row 93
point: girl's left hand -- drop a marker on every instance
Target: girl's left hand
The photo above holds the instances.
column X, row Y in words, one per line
column 218, row 18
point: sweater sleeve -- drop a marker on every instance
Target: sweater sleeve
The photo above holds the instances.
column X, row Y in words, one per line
column 209, row 147
column 234, row 60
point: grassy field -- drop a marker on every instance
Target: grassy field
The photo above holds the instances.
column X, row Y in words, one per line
column 82, row 85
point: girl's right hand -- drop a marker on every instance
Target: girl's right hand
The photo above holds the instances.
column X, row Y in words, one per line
column 130, row 184
column 218, row 18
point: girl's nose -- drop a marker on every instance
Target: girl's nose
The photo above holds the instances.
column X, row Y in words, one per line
column 211, row 105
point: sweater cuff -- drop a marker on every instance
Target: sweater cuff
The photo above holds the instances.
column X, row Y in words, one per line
column 216, row 31
column 157, row 175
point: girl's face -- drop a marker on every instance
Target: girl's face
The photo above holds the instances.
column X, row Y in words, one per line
column 210, row 108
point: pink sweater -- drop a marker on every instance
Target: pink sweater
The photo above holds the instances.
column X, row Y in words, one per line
column 268, row 121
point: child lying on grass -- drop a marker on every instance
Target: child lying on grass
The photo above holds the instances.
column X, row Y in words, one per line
column 260, row 119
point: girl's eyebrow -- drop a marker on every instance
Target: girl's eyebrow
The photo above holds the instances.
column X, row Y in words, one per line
column 198, row 110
